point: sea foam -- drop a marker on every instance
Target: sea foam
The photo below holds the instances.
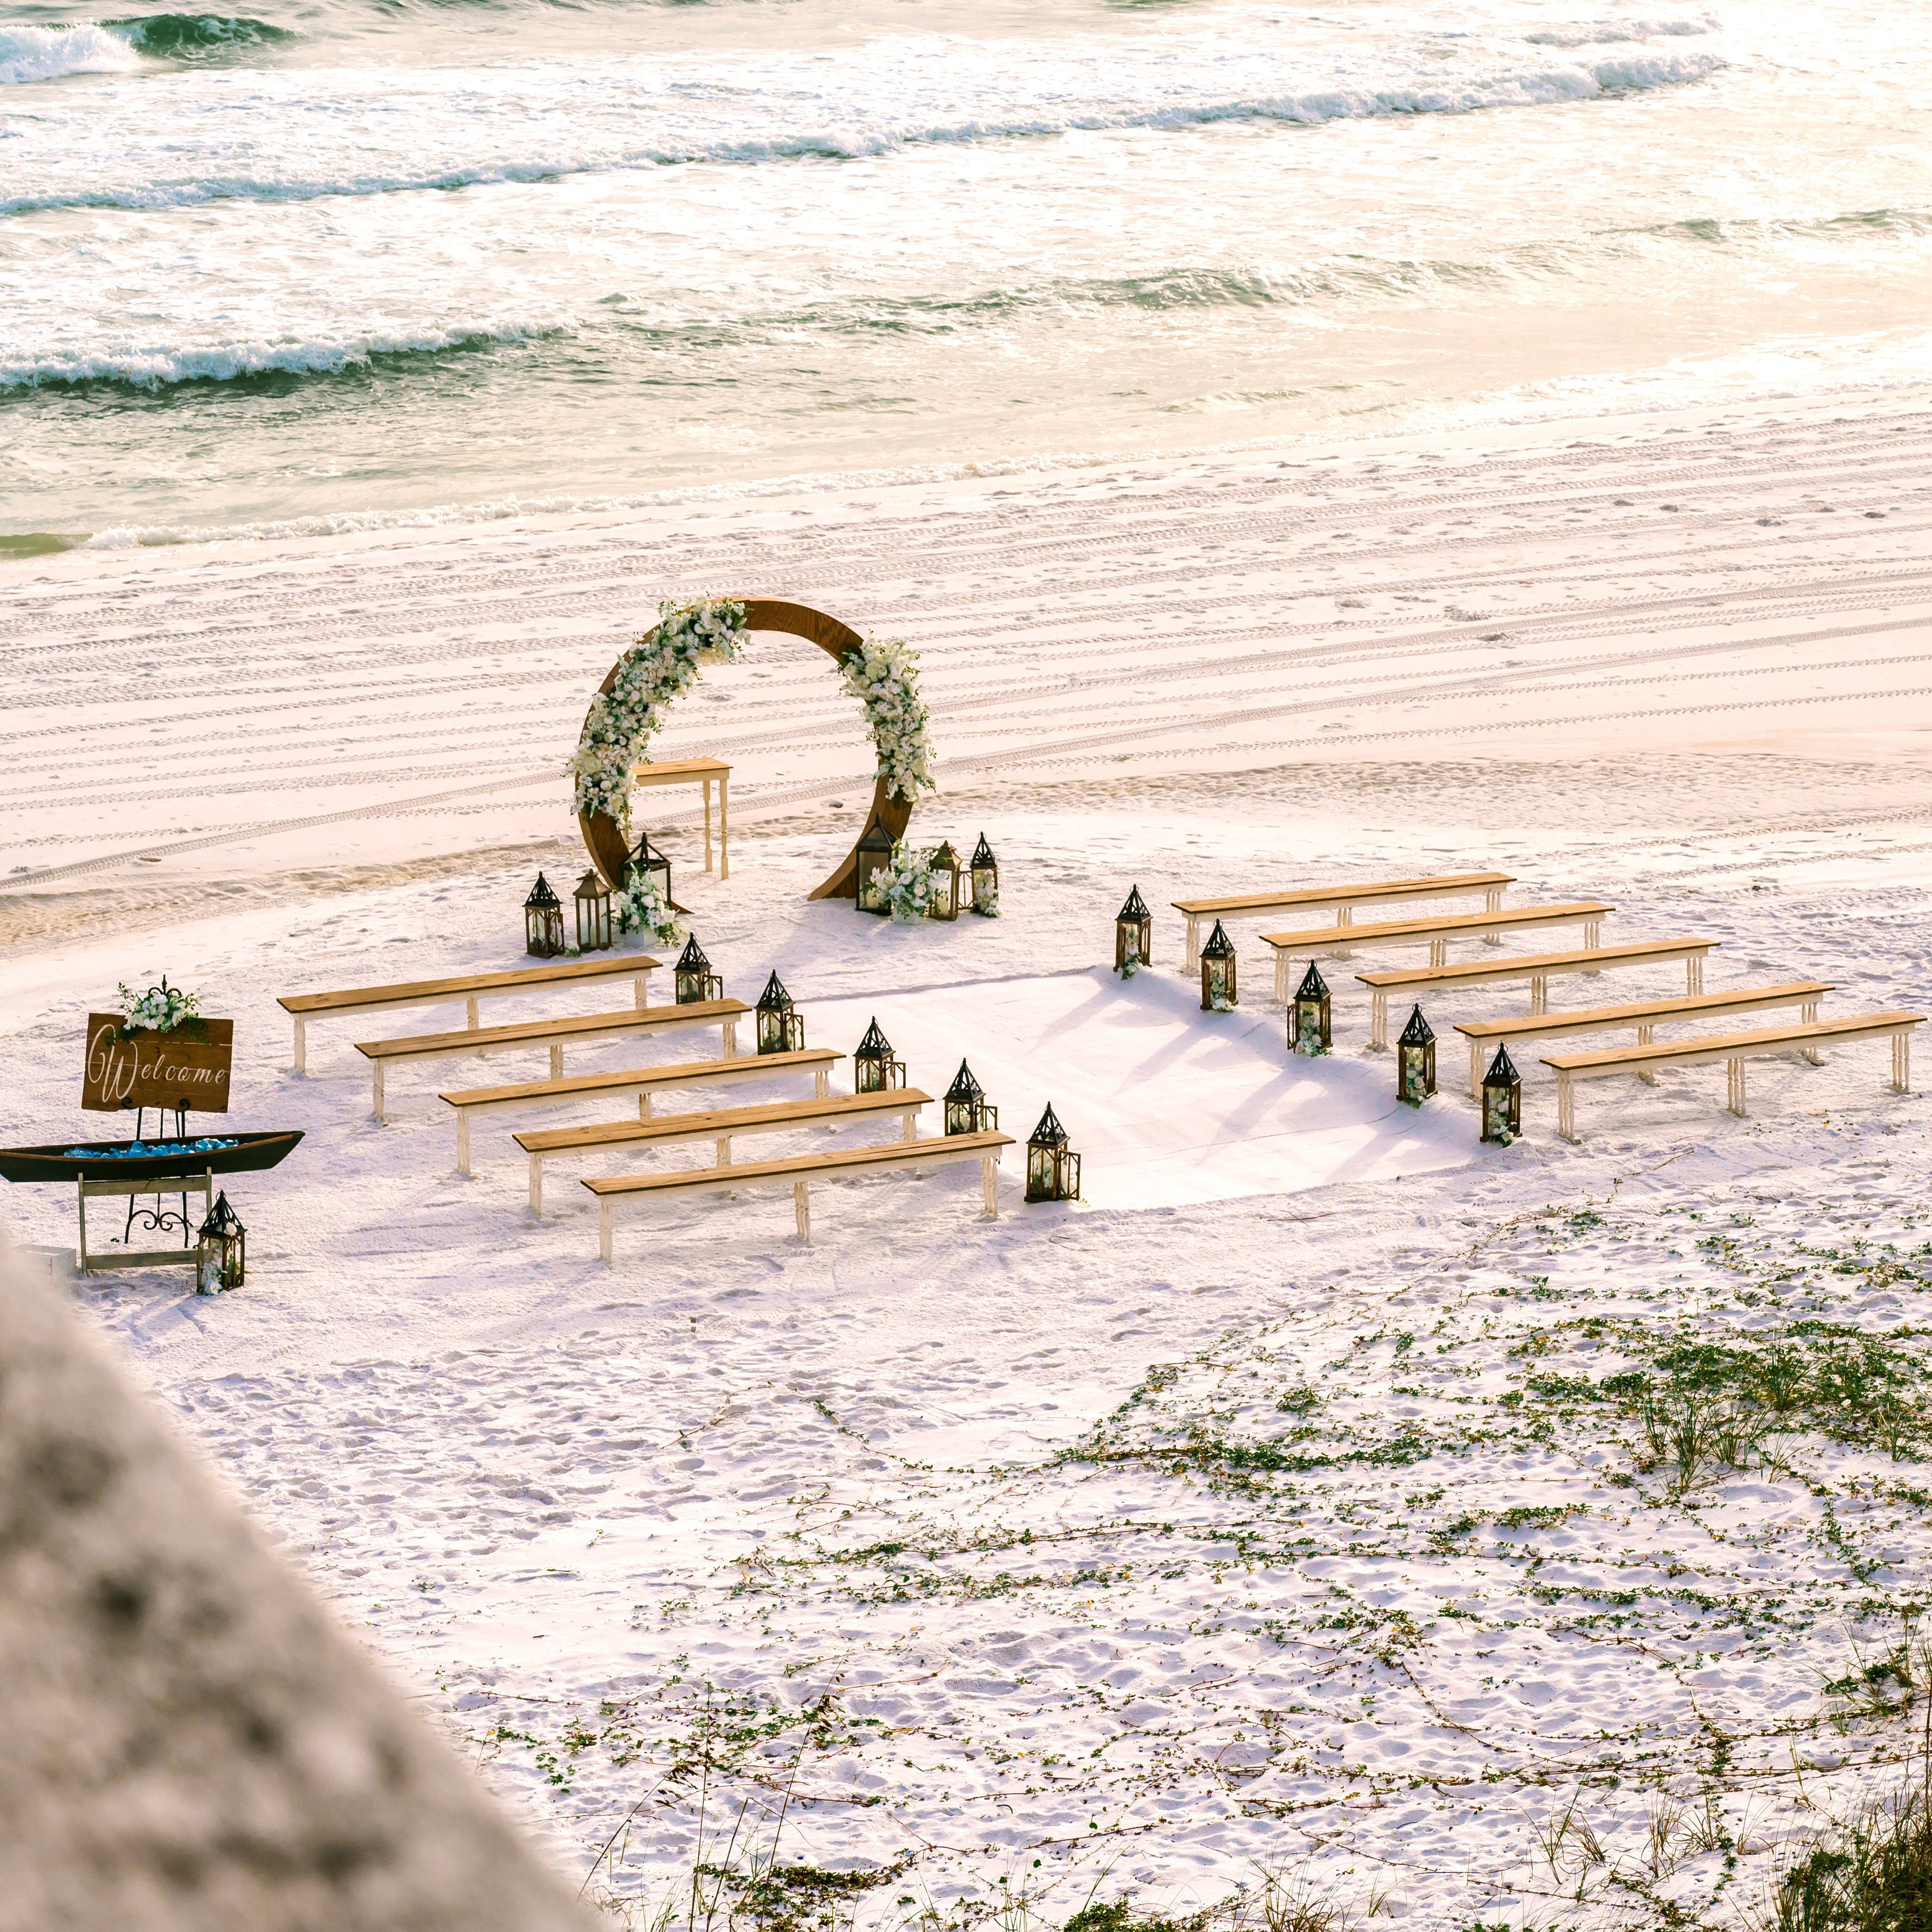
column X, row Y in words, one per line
column 28, row 53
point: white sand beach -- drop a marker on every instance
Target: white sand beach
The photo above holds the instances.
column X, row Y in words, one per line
column 1277, row 1510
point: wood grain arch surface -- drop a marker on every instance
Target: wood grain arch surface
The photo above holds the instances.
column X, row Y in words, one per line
column 605, row 842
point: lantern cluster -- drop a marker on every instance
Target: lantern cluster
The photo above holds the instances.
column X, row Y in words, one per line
column 873, row 1069
column 592, row 899
column 1219, row 994
column 954, row 886
column 781, row 1025
column 221, row 1248
column 1053, row 1168
column 692, row 978
column 967, row 1109
column 1308, row 1016
column 1133, row 935
column 543, row 921
column 1502, row 1100
column 1415, row 1061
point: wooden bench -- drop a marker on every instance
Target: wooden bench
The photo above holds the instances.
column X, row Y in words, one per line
column 469, row 987
column 1732, row 1048
column 1343, row 899
column 800, row 1170
column 1588, row 914
column 575, row 1029
column 1538, row 968
column 1644, row 1015
column 643, row 1081
column 722, row 1125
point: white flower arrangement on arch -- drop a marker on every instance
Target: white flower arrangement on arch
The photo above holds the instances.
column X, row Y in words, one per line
column 659, row 668
column 637, row 906
column 884, row 678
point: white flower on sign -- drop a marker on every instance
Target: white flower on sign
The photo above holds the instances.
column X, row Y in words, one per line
column 161, row 1008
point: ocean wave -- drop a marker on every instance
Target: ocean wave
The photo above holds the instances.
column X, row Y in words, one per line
column 31, row 53
column 1545, row 85
column 1611, row 33
column 154, row 369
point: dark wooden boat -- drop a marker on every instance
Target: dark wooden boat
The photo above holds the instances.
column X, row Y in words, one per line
column 107, row 1160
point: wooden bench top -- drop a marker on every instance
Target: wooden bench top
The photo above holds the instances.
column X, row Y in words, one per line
column 1527, row 965
column 660, row 771
column 802, row 1167
column 1446, row 926
column 1688, row 1006
column 536, row 1032
column 1384, row 888
column 565, row 972
column 680, row 1074
column 1711, row 1046
column 722, row 1120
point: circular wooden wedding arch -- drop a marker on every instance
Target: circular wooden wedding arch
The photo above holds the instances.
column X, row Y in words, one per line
column 604, row 841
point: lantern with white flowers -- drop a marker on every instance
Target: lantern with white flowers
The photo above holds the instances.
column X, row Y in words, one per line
column 1308, row 1015
column 221, row 1250
column 543, row 920
column 873, row 1069
column 645, row 857
column 1218, row 992
column 1415, row 1061
column 985, row 874
column 1502, row 1100
column 781, row 1025
column 967, row 1109
column 873, row 879
column 692, row 977
column 1133, row 935
column 1053, row 1168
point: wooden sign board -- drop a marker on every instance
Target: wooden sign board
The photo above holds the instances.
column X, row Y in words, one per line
column 187, row 1067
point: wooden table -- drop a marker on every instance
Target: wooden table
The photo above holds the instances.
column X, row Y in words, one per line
column 704, row 772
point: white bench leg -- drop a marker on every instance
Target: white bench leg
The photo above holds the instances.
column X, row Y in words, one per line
column 1378, row 1020
column 723, row 828
column 302, row 1044
column 1345, row 915
column 536, row 1183
column 801, row 1198
column 1693, row 975
column 1734, row 1069
column 556, row 1060
column 1566, row 1107
column 724, row 1149
column 1901, row 1063
column 644, row 1105
column 1492, row 898
column 1475, row 1071
column 472, row 1018
column 1438, row 953
column 1646, row 1035
column 1539, row 992
column 463, row 1140
column 1193, row 942
column 707, row 789
column 989, row 1189
column 1807, row 1016
column 641, row 987
column 1282, row 963
column 731, row 1038
column 821, row 1083
column 378, row 1093
column 911, row 1125
column 604, row 1230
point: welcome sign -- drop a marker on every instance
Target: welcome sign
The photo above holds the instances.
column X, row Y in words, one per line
column 186, row 1067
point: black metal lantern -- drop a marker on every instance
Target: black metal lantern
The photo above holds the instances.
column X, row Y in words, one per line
column 781, row 1025
column 593, row 914
column 873, row 1069
column 1308, row 1015
column 944, row 871
column 543, row 921
column 1053, row 1168
column 1415, row 1061
column 1218, row 993
column 874, row 877
column 645, row 857
column 985, row 874
column 220, row 1260
column 1502, row 1099
column 967, row 1109
column 1133, row 935
column 692, row 976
